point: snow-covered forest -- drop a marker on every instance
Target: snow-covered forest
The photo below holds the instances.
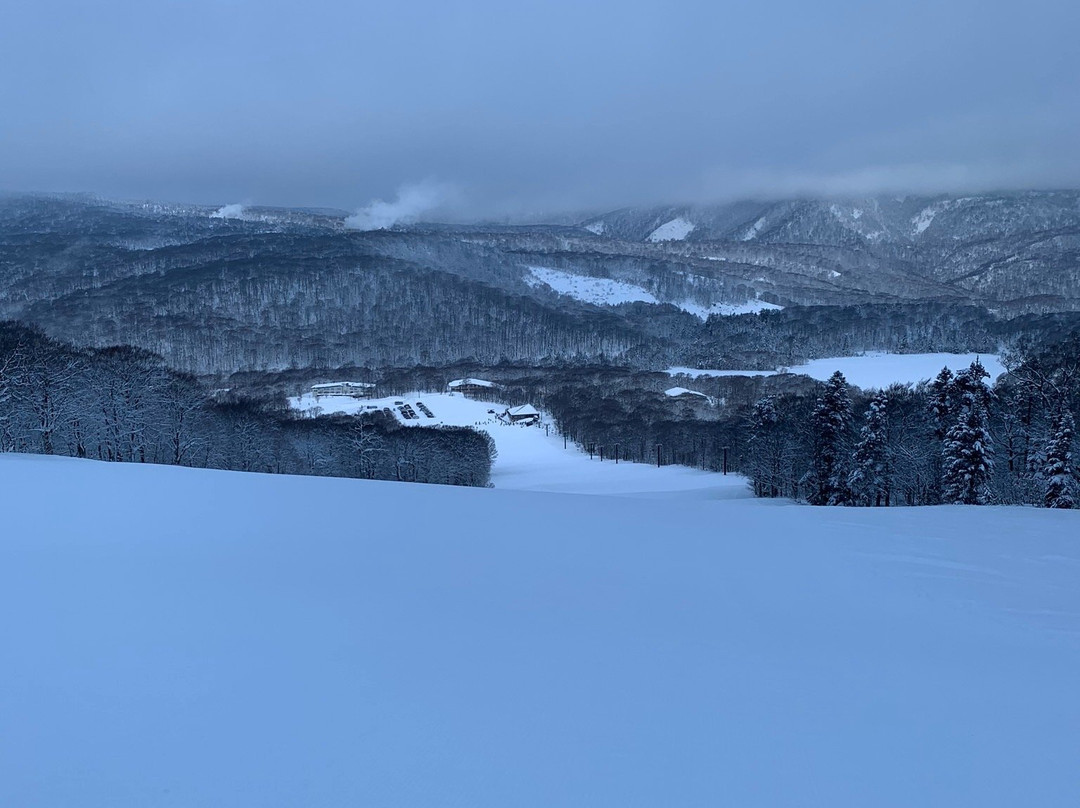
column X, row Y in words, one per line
column 580, row 319
column 956, row 439
column 278, row 290
column 124, row 404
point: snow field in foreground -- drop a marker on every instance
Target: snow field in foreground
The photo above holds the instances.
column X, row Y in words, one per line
column 178, row 637
column 531, row 459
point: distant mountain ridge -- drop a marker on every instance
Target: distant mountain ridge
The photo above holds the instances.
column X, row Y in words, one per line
column 968, row 241
column 224, row 289
column 905, row 220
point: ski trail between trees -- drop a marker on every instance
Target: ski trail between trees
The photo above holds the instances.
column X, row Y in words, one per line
column 533, row 458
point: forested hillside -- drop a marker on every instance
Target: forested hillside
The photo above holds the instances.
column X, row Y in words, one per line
column 271, row 289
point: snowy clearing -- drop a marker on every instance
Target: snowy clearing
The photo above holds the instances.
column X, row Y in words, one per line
column 675, row 230
column 598, row 291
column 872, row 370
column 875, row 370
column 754, row 229
column 608, row 292
column 727, row 309
column 532, row 458
column 923, row 220
column 597, row 228
column 180, row 637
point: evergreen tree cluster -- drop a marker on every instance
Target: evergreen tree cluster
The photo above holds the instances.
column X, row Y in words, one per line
column 953, row 440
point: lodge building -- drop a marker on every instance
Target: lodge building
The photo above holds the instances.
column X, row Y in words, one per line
column 472, row 387
column 350, row 389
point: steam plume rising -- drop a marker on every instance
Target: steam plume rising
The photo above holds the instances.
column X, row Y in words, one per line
column 234, row 211
column 411, row 203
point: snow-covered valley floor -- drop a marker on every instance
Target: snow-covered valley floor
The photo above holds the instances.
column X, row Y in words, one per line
column 177, row 637
column 870, row 370
column 534, row 458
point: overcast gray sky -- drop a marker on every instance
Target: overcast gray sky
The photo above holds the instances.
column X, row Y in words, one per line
column 517, row 106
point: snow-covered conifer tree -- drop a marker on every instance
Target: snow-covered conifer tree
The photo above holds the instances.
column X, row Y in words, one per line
column 766, row 449
column 941, row 402
column 968, row 448
column 831, row 425
column 870, row 481
column 1058, row 472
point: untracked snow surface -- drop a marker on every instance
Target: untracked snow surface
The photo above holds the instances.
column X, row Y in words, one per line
column 923, row 220
column 872, row 370
column 881, row 369
column 675, row 230
column 610, row 292
column 754, row 229
column 598, row 291
column 177, row 637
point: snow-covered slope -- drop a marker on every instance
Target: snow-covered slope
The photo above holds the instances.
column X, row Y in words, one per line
column 752, row 231
column 175, row 637
column 610, row 292
column 598, row 291
column 675, row 230
column 535, row 458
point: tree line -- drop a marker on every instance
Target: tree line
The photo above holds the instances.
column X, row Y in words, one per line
column 124, row 404
column 954, row 439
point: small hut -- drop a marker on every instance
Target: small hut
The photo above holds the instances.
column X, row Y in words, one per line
column 525, row 414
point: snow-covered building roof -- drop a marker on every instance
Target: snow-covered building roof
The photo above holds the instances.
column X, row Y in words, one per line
column 343, row 386
column 524, row 411
column 469, row 383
